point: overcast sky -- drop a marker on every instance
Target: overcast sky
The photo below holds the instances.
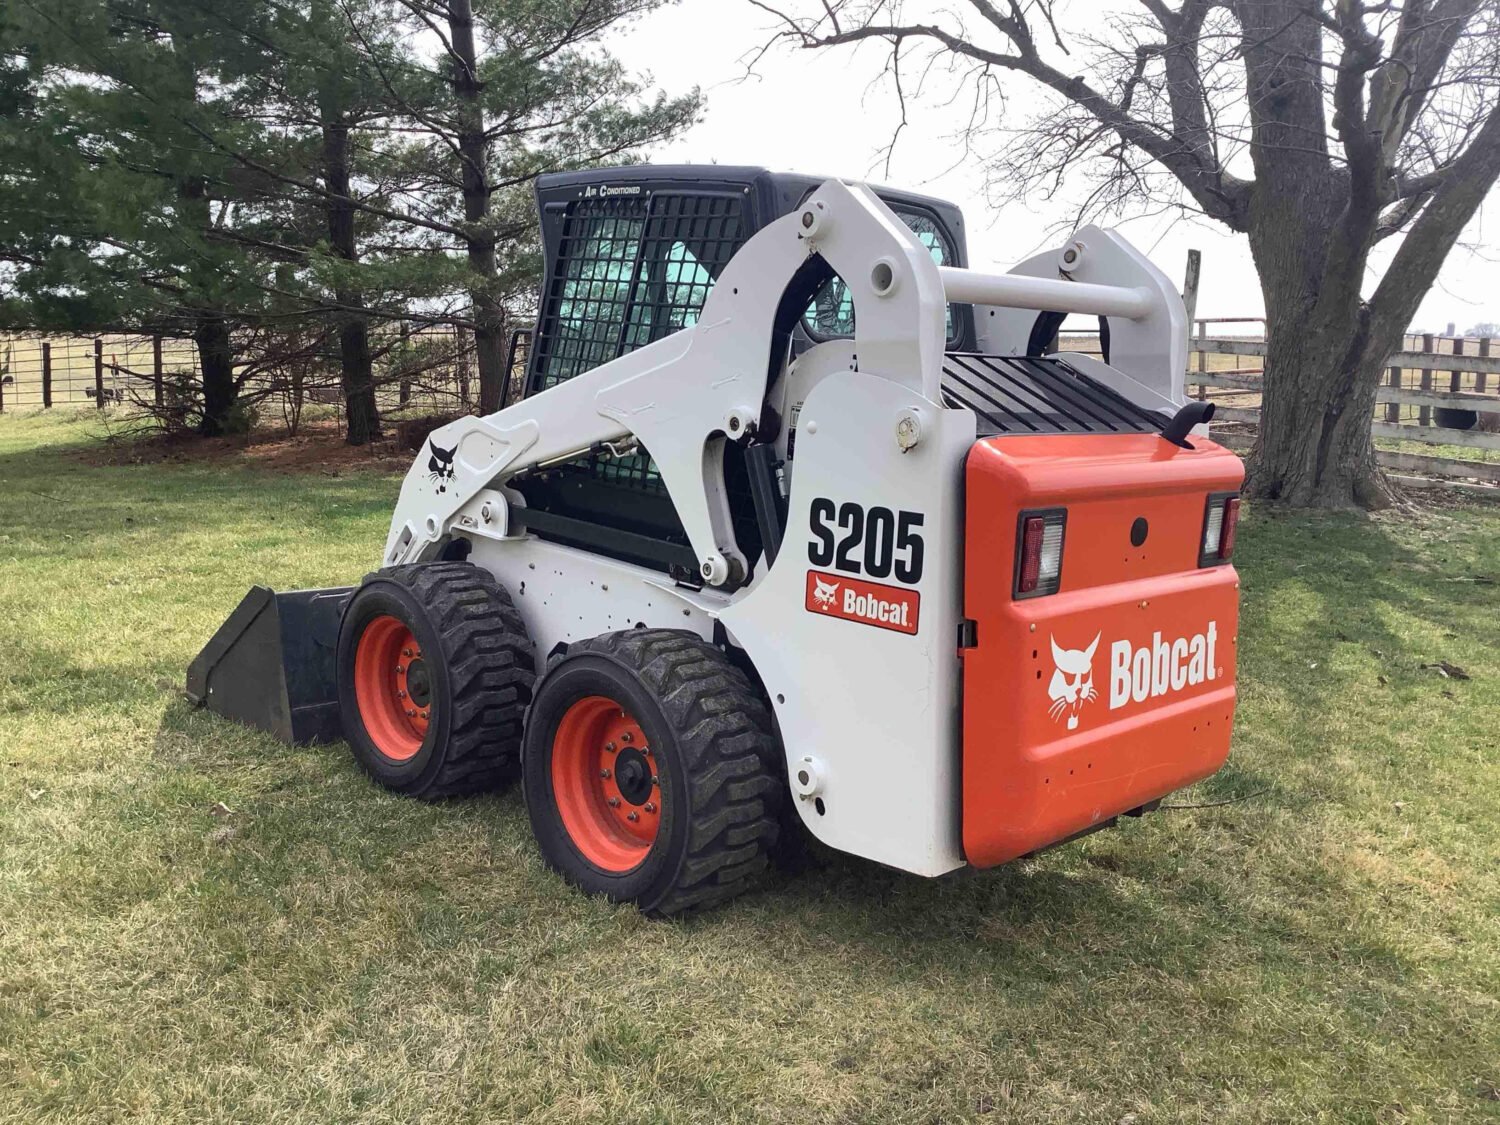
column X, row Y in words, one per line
column 818, row 112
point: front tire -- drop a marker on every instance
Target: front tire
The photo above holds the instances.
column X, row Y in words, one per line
column 435, row 672
column 652, row 772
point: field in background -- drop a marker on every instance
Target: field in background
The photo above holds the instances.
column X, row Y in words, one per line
column 199, row 924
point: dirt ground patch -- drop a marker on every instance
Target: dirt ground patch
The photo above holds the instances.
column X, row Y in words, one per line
column 318, row 447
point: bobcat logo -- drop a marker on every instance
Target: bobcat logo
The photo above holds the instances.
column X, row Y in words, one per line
column 824, row 593
column 1073, row 681
column 440, row 465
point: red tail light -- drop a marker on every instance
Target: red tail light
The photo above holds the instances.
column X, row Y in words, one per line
column 1039, row 543
column 1031, row 554
column 1231, row 521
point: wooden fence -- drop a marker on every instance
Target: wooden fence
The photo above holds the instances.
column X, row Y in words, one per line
column 1437, row 392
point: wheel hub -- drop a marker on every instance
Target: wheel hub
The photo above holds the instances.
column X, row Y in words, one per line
column 633, row 776
column 606, row 784
column 392, row 688
column 418, row 683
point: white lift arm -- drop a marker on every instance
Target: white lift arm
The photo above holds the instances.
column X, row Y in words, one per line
column 684, row 396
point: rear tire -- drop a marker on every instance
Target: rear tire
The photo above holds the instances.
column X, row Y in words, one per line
column 435, row 672
column 652, row 771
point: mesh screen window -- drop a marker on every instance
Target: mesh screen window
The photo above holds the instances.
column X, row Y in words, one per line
column 631, row 270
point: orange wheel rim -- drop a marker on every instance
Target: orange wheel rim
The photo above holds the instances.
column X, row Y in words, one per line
column 605, row 779
column 392, row 688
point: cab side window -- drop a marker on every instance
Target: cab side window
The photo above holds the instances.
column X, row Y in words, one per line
column 831, row 314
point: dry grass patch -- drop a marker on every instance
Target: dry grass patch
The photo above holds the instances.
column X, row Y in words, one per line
column 1324, row 948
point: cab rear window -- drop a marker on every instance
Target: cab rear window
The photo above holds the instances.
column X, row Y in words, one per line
column 830, row 316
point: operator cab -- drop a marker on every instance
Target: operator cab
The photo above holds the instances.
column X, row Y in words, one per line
column 631, row 255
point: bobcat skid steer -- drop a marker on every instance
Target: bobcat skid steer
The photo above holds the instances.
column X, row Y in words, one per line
column 799, row 526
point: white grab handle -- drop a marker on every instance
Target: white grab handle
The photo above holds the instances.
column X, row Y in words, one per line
column 1016, row 291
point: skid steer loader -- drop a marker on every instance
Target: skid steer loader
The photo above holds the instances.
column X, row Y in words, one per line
column 800, row 526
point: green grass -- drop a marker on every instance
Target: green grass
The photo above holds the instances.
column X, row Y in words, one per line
column 1325, row 948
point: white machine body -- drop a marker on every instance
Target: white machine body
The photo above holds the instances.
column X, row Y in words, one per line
column 870, row 717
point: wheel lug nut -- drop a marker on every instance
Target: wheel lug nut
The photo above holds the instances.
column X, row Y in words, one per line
column 655, row 780
column 614, row 802
column 609, row 747
column 406, row 652
column 424, row 715
column 400, row 669
column 627, row 737
column 410, row 713
column 650, row 806
column 401, row 695
column 604, row 773
column 632, row 816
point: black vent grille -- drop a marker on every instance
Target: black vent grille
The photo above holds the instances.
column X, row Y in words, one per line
column 1039, row 395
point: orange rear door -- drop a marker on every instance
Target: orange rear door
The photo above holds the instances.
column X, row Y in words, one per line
column 1118, row 688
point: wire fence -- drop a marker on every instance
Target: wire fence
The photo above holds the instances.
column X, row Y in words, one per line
column 418, row 369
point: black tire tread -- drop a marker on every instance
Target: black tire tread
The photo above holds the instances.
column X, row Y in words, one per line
column 491, row 669
column 728, row 750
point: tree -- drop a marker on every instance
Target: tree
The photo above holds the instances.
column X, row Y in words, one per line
column 116, row 212
column 324, row 94
column 515, row 88
column 1318, row 128
column 268, row 176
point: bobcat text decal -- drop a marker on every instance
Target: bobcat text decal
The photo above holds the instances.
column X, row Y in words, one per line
column 869, row 603
column 1136, row 674
column 1162, row 666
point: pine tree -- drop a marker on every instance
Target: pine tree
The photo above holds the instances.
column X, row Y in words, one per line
column 119, row 211
column 516, row 88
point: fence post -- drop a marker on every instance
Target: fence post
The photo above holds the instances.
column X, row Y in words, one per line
column 1455, row 378
column 1393, row 409
column 1424, row 414
column 46, row 375
column 461, row 370
column 1190, row 297
column 1201, row 360
column 99, row 373
column 403, row 396
column 156, row 368
column 1481, row 380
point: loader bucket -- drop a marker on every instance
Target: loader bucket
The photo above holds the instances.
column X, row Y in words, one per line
column 271, row 664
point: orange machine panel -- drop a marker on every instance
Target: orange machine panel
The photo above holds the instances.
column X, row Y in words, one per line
column 1118, row 688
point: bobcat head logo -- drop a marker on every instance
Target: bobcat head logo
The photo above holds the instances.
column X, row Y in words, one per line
column 440, row 465
column 824, row 592
column 1072, row 682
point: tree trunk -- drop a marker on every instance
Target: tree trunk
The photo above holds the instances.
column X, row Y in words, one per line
column 216, row 359
column 1313, row 446
column 1324, row 356
column 473, row 148
column 356, row 377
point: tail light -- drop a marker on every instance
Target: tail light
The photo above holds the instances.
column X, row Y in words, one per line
column 1039, row 549
column 1221, row 517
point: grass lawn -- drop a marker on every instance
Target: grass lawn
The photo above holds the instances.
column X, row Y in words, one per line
column 1325, row 946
